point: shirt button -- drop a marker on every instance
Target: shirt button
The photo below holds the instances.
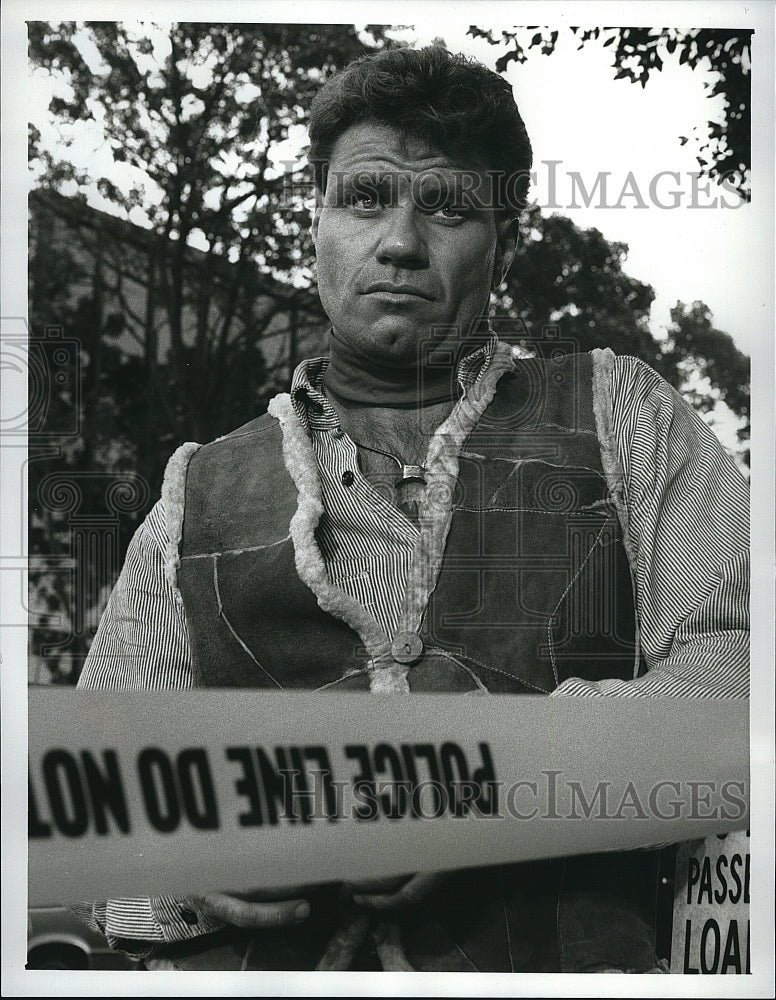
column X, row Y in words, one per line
column 189, row 916
column 337, row 432
column 316, row 407
column 406, row 647
column 347, row 478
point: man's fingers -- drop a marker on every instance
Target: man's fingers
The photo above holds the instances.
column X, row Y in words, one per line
column 251, row 913
column 282, row 892
column 378, row 884
column 417, row 888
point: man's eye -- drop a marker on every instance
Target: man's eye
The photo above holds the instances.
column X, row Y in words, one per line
column 451, row 212
column 364, row 202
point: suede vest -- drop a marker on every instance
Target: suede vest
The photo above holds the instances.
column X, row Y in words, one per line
column 519, row 581
column 534, row 584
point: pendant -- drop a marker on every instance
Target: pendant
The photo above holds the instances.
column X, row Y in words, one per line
column 412, row 473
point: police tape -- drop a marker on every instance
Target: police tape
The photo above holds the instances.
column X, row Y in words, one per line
column 148, row 793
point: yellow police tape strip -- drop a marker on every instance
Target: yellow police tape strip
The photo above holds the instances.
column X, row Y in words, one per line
column 134, row 794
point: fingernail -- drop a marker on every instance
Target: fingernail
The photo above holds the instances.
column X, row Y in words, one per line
column 302, row 912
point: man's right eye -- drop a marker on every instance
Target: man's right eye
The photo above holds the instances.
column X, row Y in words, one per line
column 364, row 202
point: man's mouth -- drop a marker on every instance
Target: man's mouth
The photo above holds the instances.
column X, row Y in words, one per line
column 396, row 289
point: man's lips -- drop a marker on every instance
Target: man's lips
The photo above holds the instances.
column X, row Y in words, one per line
column 396, row 288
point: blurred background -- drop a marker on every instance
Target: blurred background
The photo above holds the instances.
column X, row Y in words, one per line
column 171, row 273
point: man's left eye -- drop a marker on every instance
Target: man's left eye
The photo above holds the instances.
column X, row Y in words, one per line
column 451, row 212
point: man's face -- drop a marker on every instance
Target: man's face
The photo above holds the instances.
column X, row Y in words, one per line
column 398, row 255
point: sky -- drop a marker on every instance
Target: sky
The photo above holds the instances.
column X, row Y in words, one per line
column 576, row 113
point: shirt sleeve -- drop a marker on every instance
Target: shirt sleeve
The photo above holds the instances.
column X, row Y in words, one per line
column 142, row 644
column 688, row 520
column 142, row 641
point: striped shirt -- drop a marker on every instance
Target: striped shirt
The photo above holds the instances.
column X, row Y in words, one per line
column 687, row 506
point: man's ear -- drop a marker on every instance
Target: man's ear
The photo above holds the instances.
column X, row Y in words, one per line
column 506, row 246
column 316, row 213
column 316, row 220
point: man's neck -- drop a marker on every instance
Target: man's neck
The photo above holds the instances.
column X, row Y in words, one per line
column 355, row 379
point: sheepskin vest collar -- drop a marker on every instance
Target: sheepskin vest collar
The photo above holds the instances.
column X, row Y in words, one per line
column 518, row 580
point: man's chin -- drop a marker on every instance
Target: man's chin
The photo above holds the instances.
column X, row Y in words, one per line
column 391, row 349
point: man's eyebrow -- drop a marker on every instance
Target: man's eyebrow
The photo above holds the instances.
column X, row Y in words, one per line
column 369, row 175
column 365, row 181
column 432, row 187
column 380, row 177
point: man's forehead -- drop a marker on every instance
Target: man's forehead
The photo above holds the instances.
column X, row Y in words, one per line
column 374, row 146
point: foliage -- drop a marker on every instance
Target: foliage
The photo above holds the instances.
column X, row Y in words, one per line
column 83, row 426
column 724, row 148
column 575, row 279
column 695, row 351
column 193, row 116
column 188, row 120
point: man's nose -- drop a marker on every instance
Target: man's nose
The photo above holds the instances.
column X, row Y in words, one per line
column 402, row 241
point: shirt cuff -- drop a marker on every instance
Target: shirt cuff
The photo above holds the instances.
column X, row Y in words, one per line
column 136, row 926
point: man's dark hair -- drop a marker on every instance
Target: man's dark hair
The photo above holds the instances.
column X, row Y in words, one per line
column 457, row 104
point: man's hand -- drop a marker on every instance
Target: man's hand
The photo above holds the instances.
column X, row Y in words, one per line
column 396, row 893
column 268, row 909
column 264, row 909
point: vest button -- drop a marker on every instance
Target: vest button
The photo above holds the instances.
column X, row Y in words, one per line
column 406, row 647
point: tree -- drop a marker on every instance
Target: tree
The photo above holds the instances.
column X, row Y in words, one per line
column 706, row 364
column 85, row 492
column 581, row 273
column 191, row 117
column 724, row 148
column 574, row 279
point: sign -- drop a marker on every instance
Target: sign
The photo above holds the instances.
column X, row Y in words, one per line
column 148, row 793
column 711, row 907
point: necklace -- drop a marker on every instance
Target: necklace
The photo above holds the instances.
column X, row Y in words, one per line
column 409, row 473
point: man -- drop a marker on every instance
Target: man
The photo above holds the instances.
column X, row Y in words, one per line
column 426, row 512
